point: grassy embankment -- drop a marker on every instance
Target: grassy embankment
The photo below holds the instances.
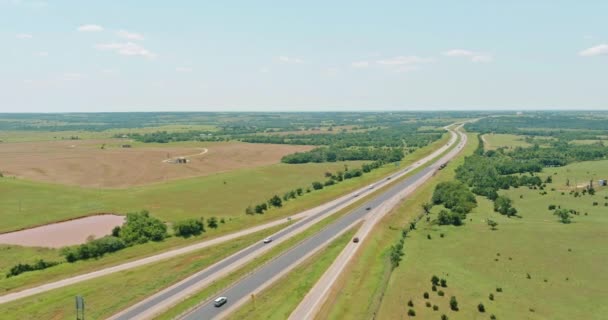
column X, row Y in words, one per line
column 495, row 141
column 359, row 291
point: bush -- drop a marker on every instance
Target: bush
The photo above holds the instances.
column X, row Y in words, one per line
column 411, row 313
column 453, row 303
column 141, row 228
column 491, row 297
column 551, row 207
column 212, row 223
column 410, row 303
column 444, row 283
column 24, row 267
column 93, row 249
column 492, row 317
column 426, row 295
column 481, row 308
column 434, row 288
column 435, row 307
column 317, row 185
column 189, row 227
column 435, row 280
column 260, row 208
column 498, row 289
column 440, row 293
column 275, row 201
column 428, row 304
column 444, row 317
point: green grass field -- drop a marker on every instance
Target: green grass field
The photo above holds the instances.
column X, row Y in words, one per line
column 360, row 290
column 495, row 141
column 565, row 262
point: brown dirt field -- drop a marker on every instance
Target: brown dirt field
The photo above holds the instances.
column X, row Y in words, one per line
column 84, row 163
column 65, row 233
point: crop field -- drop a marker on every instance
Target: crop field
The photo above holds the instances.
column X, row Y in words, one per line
column 103, row 163
column 535, row 267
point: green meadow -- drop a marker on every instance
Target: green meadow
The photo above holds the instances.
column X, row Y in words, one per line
column 544, row 269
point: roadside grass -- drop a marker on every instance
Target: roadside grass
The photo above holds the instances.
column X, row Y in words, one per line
column 107, row 295
column 546, row 269
column 360, row 289
column 495, row 141
column 233, row 223
column 282, row 297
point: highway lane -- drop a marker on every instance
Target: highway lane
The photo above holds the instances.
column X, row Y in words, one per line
column 243, row 288
column 175, row 293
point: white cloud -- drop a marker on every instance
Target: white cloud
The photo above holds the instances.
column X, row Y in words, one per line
column 599, row 50
column 183, row 69
column 404, row 60
column 24, row 36
column 472, row 55
column 130, row 35
column 90, row 28
column 126, row 49
column 360, row 64
column 42, row 54
column 286, row 59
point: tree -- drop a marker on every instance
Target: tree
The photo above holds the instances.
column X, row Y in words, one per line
column 443, row 282
column 188, row 227
column 260, row 208
column 504, row 205
column 563, row 215
column 141, row 228
column 212, row 223
column 453, row 303
column 275, row 201
column 411, row 313
column 492, row 224
column 116, row 231
column 249, row 210
column 435, row 280
column 481, row 307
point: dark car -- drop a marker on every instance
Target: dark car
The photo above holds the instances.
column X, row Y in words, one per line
column 220, row 301
column 356, row 240
column 368, row 208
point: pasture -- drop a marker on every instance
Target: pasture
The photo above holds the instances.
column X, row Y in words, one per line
column 544, row 269
column 495, row 141
column 105, row 164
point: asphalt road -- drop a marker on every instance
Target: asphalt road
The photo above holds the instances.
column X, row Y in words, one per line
column 248, row 285
column 141, row 308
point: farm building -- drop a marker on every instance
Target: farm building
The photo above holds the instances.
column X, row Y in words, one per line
column 602, row 182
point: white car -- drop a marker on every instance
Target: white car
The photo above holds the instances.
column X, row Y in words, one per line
column 220, row 301
column 268, row 240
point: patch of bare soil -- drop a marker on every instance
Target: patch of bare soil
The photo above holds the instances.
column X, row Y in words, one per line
column 85, row 163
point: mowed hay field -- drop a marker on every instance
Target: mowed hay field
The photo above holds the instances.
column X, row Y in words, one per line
column 566, row 263
column 84, row 162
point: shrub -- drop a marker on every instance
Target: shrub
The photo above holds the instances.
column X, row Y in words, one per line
column 317, row 185
column 453, row 303
column 491, row 297
column 212, row 223
column 426, row 295
column 492, row 317
column 498, row 289
column 444, row 317
column 93, row 249
column 428, row 236
column 435, row 280
column 188, row 227
column 428, row 304
column 444, row 283
column 116, row 231
column 25, row 267
column 435, row 307
column 141, row 228
column 440, row 293
column 260, row 208
column 411, row 313
column 481, row 308
column 434, row 288
column 275, row 201
column 410, row 303
column 551, row 207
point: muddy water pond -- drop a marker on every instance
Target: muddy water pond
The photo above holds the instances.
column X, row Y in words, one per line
column 65, row 233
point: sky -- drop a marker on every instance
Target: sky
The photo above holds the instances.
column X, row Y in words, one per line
column 91, row 56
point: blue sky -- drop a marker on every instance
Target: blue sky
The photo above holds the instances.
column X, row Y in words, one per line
column 86, row 56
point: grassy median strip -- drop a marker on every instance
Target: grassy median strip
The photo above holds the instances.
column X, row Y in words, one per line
column 109, row 294
column 360, row 289
column 282, row 297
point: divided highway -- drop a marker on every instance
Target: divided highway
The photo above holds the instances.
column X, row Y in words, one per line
column 172, row 295
column 239, row 292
